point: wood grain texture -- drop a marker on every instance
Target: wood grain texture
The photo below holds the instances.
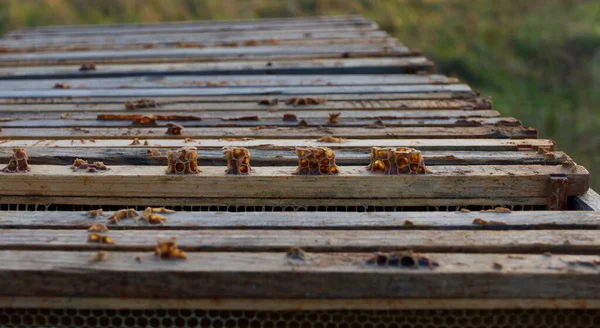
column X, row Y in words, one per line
column 78, row 203
column 269, row 121
column 516, row 220
column 332, row 35
column 468, row 132
column 323, row 80
column 373, row 98
column 287, row 144
column 219, row 240
column 260, row 275
column 232, row 91
column 376, row 108
column 278, row 182
column 298, row 304
column 398, row 65
column 201, row 55
column 590, row 201
column 350, row 25
column 273, row 157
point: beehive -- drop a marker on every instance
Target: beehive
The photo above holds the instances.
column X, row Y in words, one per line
column 484, row 233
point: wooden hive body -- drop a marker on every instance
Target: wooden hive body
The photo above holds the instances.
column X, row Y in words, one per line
column 500, row 221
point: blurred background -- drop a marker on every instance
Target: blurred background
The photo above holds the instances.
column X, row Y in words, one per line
column 539, row 60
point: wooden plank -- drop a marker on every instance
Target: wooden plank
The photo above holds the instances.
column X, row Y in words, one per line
column 269, row 122
column 517, row 220
column 351, row 25
column 290, row 144
column 58, row 44
column 230, row 81
column 590, row 201
column 50, row 114
column 397, row 65
column 242, row 42
column 171, row 24
column 266, row 204
column 174, row 24
column 279, row 182
column 305, row 304
column 273, row 157
column 233, row 91
column 273, row 36
column 514, row 132
column 212, row 54
column 247, row 275
column 365, row 98
column 18, row 108
column 218, row 240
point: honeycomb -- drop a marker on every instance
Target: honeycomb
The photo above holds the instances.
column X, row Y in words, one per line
column 554, row 318
column 397, row 161
column 80, row 164
column 183, row 161
column 174, row 128
column 238, row 160
column 17, row 162
column 145, row 120
column 316, row 160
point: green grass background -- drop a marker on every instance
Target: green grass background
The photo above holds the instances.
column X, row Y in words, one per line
column 539, row 60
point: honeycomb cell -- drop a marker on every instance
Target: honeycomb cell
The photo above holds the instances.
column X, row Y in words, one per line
column 316, row 161
column 397, row 161
column 17, row 162
column 183, row 161
column 238, row 160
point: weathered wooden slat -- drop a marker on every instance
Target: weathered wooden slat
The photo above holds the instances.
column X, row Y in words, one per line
column 298, row 304
column 375, row 98
column 265, row 275
column 397, row 65
column 514, row 132
column 590, row 201
column 225, row 204
column 171, row 24
column 232, row 91
column 230, row 81
column 174, row 24
column 209, row 38
column 218, row 240
column 255, row 117
column 270, row 122
column 279, row 182
column 139, row 156
column 290, row 144
column 382, row 106
column 217, row 54
column 178, row 41
column 517, row 220
column 350, row 24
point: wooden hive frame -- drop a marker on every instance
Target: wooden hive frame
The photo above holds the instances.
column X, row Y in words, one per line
column 485, row 168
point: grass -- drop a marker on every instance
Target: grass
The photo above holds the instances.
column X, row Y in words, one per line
column 538, row 60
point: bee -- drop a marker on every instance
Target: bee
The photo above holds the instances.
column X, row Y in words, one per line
column 122, row 214
column 98, row 227
column 167, row 248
